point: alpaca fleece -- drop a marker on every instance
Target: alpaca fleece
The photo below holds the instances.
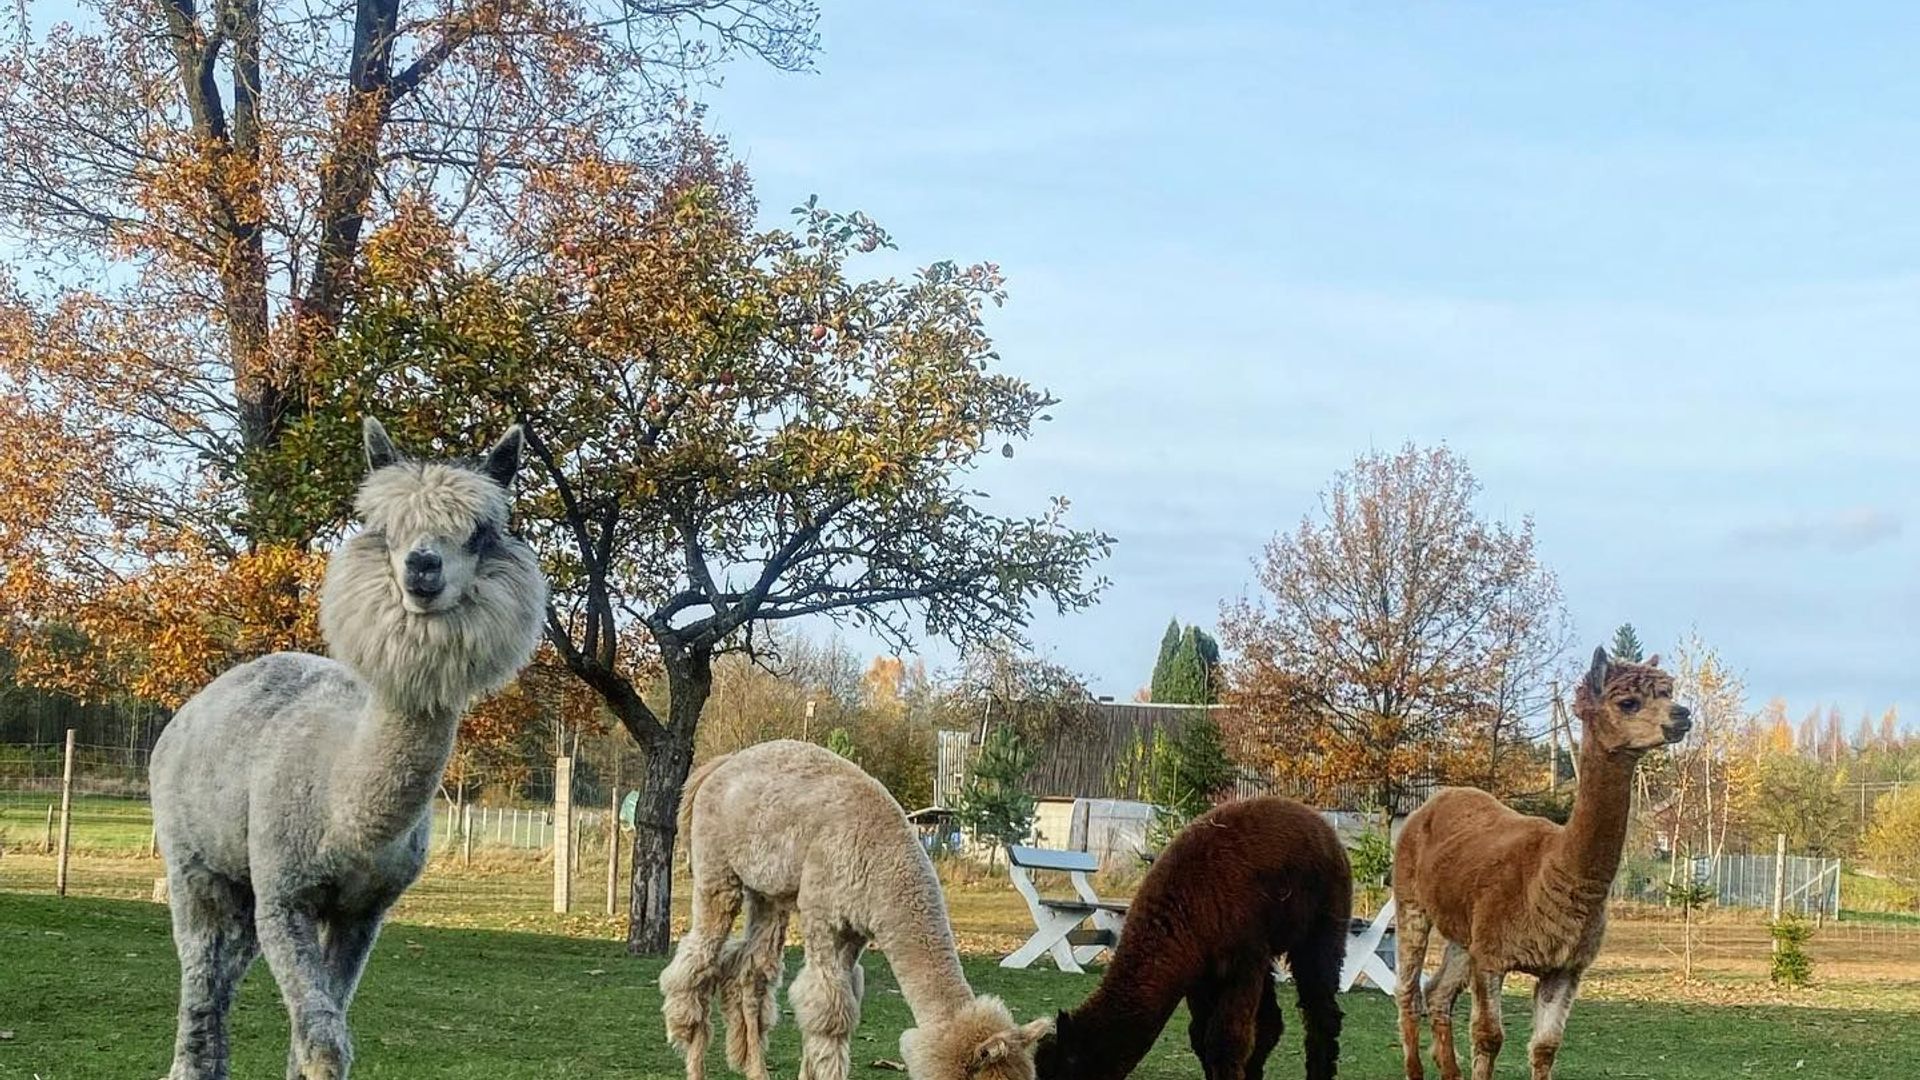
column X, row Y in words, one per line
column 1244, row 884
column 292, row 797
column 791, row 830
column 1509, row 892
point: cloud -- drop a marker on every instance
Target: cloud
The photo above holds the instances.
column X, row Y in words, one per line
column 1848, row 530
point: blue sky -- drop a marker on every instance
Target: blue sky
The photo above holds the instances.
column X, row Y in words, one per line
column 1651, row 268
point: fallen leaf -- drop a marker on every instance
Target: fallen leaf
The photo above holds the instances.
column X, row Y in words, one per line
column 890, row 1066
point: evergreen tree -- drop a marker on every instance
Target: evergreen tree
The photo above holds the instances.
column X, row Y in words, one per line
column 1192, row 674
column 1163, row 664
column 1626, row 644
column 994, row 805
column 840, row 741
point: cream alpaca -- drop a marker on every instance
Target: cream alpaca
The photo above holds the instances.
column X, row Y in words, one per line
column 292, row 795
column 788, row 828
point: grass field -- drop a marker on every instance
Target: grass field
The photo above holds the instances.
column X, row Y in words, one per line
column 87, row 990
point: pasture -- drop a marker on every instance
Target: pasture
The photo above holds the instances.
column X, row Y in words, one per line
column 475, row 979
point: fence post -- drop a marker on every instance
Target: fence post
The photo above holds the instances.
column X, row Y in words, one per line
column 562, row 834
column 466, row 834
column 46, row 846
column 66, row 817
column 613, row 847
column 1779, row 873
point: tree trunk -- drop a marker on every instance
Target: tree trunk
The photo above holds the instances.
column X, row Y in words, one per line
column 669, row 760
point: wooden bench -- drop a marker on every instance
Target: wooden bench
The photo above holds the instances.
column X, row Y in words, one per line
column 1057, row 929
column 1370, row 952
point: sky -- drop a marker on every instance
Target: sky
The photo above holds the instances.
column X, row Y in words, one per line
column 1653, row 269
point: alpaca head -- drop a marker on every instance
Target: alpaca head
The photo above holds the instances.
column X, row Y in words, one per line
column 433, row 600
column 1628, row 708
column 980, row 1042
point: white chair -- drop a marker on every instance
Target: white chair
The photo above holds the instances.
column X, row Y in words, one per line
column 1056, row 923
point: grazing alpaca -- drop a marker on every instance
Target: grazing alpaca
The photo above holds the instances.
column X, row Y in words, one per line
column 1241, row 885
column 292, row 796
column 1508, row 892
column 790, row 828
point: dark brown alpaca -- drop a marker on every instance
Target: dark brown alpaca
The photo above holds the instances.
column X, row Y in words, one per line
column 1245, row 883
column 1508, row 892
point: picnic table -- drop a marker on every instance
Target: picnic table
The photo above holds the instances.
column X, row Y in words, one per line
column 1057, row 923
column 1370, row 952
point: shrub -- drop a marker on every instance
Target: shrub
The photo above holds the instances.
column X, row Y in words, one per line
column 1791, row 964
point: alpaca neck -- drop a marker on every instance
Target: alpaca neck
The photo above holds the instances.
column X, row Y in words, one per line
column 925, row 963
column 1120, row 1021
column 1596, row 834
column 386, row 775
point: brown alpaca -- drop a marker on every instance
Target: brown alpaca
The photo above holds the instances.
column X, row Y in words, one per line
column 1243, row 884
column 1508, row 892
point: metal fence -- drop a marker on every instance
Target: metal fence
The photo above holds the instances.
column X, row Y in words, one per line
column 1808, row 886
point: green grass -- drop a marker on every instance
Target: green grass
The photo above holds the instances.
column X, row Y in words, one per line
column 87, row 990
column 100, row 823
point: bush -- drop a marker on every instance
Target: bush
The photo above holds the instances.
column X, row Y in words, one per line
column 1791, row 964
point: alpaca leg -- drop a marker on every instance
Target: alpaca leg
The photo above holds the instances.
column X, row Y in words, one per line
column 1488, row 1033
column 688, row 980
column 347, row 941
column 290, row 937
column 1552, row 1000
column 1410, row 960
column 1268, row 1026
column 213, row 934
column 1227, row 1042
column 825, row 1005
column 1442, row 994
column 753, row 970
column 1316, row 963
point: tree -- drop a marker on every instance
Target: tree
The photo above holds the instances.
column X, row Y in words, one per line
column 1626, row 644
column 1163, row 664
column 189, row 187
column 1797, row 796
column 1893, row 843
column 994, row 805
column 1191, row 769
column 1397, row 627
column 1188, row 670
column 726, row 431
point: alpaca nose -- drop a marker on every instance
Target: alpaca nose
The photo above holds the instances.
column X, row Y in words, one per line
column 423, row 573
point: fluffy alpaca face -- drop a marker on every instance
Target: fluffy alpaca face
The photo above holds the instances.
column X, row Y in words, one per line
column 438, row 521
column 981, row 1042
column 1628, row 708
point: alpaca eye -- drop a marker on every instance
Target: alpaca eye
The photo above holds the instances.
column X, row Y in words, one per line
column 481, row 539
column 1629, row 704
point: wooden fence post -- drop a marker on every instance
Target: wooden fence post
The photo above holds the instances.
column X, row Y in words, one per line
column 562, row 834
column 66, row 818
column 1779, row 875
column 466, row 834
column 613, row 848
column 46, row 846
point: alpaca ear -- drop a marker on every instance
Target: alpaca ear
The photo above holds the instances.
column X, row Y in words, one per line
column 1597, row 674
column 1654, row 660
column 504, row 459
column 380, row 451
column 1033, row 1032
column 996, row 1048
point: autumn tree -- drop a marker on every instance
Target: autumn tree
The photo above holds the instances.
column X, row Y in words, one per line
column 1893, row 843
column 187, row 188
column 726, row 430
column 1397, row 628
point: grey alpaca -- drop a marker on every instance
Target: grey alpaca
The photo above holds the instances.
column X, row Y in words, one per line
column 293, row 795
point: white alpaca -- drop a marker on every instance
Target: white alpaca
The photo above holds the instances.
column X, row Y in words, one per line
column 292, row 796
column 790, row 828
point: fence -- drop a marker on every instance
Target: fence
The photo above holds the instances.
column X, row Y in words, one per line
column 1808, row 886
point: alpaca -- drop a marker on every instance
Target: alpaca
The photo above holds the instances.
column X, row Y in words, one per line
column 788, row 828
column 1243, row 884
column 1508, row 892
column 293, row 795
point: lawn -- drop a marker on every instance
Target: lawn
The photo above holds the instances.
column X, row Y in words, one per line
column 87, row 990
